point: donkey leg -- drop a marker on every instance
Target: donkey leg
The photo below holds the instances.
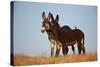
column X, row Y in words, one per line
column 73, row 49
column 65, row 50
column 52, row 51
column 83, row 48
column 52, row 48
column 57, row 50
column 79, row 49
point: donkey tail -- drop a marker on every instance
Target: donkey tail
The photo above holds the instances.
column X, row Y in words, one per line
column 83, row 39
column 83, row 48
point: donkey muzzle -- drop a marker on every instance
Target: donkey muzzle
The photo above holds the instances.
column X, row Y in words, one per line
column 42, row 29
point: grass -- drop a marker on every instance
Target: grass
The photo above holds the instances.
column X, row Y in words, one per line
column 26, row 60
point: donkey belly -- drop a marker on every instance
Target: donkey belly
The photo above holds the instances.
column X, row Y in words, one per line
column 67, row 39
column 69, row 42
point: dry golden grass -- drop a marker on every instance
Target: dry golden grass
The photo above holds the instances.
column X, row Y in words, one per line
column 26, row 60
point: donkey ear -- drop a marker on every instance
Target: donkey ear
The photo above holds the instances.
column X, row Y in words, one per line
column 57, row 18
column 50, row 13
column 43, row 15
column 49, row 16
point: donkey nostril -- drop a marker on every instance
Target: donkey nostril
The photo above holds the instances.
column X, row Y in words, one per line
column 42, row 29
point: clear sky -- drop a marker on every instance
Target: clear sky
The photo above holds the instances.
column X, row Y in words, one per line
column 28, row 38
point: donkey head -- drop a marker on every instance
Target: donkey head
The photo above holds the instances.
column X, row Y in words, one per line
column 45, row 23
column 48, row 22
column 54, row 22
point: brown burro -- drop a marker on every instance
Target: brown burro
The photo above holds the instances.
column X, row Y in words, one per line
column 62, row 36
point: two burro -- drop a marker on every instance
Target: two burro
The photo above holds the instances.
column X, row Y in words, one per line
column 62, row 36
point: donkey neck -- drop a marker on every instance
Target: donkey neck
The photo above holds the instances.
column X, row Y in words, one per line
column 50, row 34
column 57, row 29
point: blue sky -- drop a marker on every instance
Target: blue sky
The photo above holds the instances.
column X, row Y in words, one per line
column 28, row 38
